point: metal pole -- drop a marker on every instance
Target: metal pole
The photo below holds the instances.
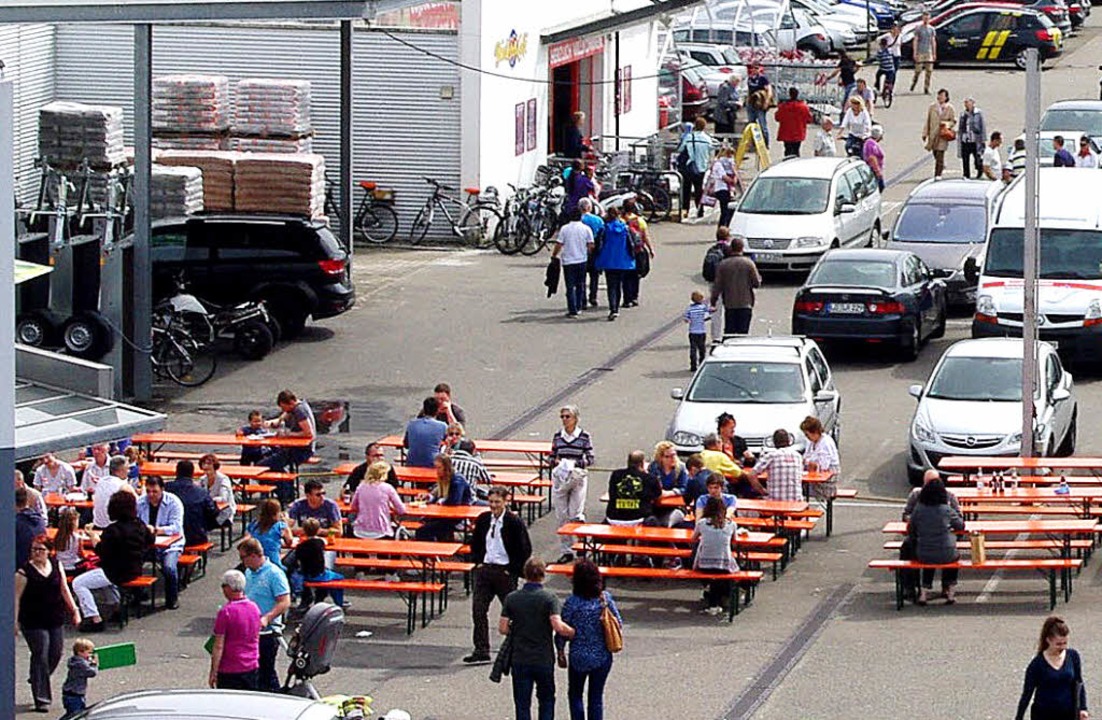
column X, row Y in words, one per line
column 345, row 181
column 868, row 29
column 7, row 400
column 619, row 97
column 1030, row 248
column 143, row 268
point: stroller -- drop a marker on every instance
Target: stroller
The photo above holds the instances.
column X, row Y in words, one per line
column 312, row 648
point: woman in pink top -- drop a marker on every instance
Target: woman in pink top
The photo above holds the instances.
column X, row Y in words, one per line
column 374, row 503
column 235, row 657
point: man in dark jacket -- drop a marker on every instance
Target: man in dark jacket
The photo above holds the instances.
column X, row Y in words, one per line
column 736, row 278
column 632, row 492
column 499, row 548
column 29, row 524
column 200, row 512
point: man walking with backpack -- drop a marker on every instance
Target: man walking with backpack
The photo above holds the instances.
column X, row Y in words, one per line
column 712, row 259
column 736, row 278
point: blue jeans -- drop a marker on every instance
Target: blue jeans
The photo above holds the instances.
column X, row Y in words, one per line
column 543, row 678
column 267, row 679
column 298, row 585
column 631, row 286
column 761, row 118
column 168, row 560
column 575, row 687
column 283, row 460
column 72, row 704
column 614, row 280
column 574, row 276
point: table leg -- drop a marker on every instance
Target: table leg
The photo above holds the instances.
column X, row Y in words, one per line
column 1051, row 590
column 898, row 589
column 830, row 516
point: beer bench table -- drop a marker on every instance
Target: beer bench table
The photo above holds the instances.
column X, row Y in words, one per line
column 1047, row 566
column 969, row 465
column 1082, row 499
column 534, row 454
column 233, row 472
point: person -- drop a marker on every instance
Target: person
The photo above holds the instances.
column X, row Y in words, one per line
column 712, row 536
column 200, row 512
column 54, row 476
column 219, row 487
column 825, row 145
column 1086, row 157
column 68, row 541
column 821, row 454
column 266, row 585
column 530, row 615
column 642, row 249
column 97, row 469
column 467, row 463
column 296, row 420
column 500, row 546
column 793, row 116
column 270, row 530
column 575, row 144
column 722, row 180
column 672, row 477
column 83, row 665
column 43, row 605
column 718, row 462
column 615, row 258
column 992, row 163
column 452, row 436
column 447, row 411
column 895, row 44
column 571, row 456
column 35, row 501
column 310, row 554
column 697, row 483
column 122, row 548
column 596, row 226
column 451, row 489
column 760, row 98
column 873, row 154
column 862, row 90
column 235, row 656
column 1054, row 677
column 728, row 102
column 374, row 504
column 846, row 72
column 315, row 505
column 106, row 489
column 578, row 184
column 256, row 427
column 424, row 435
column 924, row 52
column 885, row 66
column 373, row 453
column 973, row 132
column 1016, row 158
column 912, row 498
column 697, row 317
column 856, row 126
column 590, row 659
column 1061, row 157
column 573, row 243
column 785, row 467
column 714, row 485
column 733, row 445
column 632, row 492
column 712, row 258
column 932, row 528
column 29, row 524
column 163, row 513
column 941, row 120
column 736, row 278
column 698, row 144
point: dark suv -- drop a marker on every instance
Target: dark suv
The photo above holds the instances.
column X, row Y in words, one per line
column 296, row 265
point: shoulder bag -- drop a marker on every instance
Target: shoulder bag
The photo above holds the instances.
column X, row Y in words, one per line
column 614, row 635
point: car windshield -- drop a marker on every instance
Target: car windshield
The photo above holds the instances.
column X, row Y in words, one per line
column 978, row 378
column 740, row 381
column 786, row 196
column 1088, row 121
column 941, row 223
column 860, row 273
column 1065, row 254
column 731, row 57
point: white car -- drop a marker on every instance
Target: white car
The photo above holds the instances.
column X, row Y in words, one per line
column 798, row 209
column 972, row 405
column 208, row 705
column 767, row 383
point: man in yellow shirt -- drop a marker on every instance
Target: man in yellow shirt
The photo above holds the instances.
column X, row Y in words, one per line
column 721, row 464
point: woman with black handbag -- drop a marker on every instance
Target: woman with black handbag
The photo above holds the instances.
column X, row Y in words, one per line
column 588, row 608
column 1054, row 678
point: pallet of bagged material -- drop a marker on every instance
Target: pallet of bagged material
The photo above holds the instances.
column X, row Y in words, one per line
column 197, row 142
column 175, row 191
column 284, row 183
column 272, row 107
column 191, row 103
column 218, row 169
column 270, row 144
column 70, row 133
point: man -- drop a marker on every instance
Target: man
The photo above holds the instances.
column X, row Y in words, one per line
column 531, row 616
column 573, row 245
column 200, row 512
column 825, row 144
column 785, row 466
column 373, row 453
column 315, row 505
column 54, row 476
column 760, row 98
column 466, row 463
column 265, row 585
column 973, row 131
column 35, row 501
column 499, row 548
column 632, row 492
column 296, row 419
column 447, row 412
column 97, row 469
column 924, row 52
column 912, row 499
column 736, row 278
column 1086, row 157
column 235, row 657
column 1016, row 159
column 721, row 465
column 728, row 103
column 596, row 226
column 1061, row 157
column 424, row 434
column 119, row 479
column 714, row 485
column 29, row 524
column 992, row 163
column 164, row 514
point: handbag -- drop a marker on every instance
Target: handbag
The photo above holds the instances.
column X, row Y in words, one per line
column 614, row 635
column 947, row 133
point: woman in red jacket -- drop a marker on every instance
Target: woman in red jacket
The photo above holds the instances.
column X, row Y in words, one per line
column 793, row 117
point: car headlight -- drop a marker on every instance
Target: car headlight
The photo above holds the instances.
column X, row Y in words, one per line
column 985, row 305
column 1015, row 439
column 922, row 432
column 1094, row 312
column 810, row 241
column 682, row 437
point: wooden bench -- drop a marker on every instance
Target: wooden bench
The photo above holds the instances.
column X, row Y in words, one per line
column 247, row 490
column 186, row 565
column 1047, row 566
column 131, row 594
column 279, row 477
column 745, row 580
column 839, row 493
column 1038, row 544
column 531, row 503
column 408, row 590
column 752, row 556
column 1070, row 509
column 444, row 567
column 165, row 455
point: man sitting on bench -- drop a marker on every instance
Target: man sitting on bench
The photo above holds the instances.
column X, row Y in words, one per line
column 632, row 492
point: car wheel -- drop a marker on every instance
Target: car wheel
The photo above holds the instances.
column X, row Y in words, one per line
column 1020, row 59
column 36, row 329
column 253, row 340
column 939, row 331
column 291, row 318
column 275, row 328
column 914, row 477
column 874, row 235
column 912, row 345
column 87, row 335
column 1067, row 447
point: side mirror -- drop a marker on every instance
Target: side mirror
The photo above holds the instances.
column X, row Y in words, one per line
column 677, row 394
column 846, row 208
column 886, row 235
column 824, row 396
column 915, row 391
column 971, row 270
column 1060, row 393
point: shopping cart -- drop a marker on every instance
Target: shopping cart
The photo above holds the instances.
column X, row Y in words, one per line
column 823, row 96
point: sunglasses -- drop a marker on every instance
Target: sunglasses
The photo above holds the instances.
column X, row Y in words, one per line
column 566, row 417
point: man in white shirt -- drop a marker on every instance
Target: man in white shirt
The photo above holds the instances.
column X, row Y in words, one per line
column 54, row 476
column 35, row 500
column 824, row 139
column 573, row 244
column 992, row 163
column 107, row 487
column 97, row 469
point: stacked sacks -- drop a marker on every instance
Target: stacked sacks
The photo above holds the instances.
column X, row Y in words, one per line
column 175, row 191
column 273, row 108
column 218, row 174
column 70, row 133
column 191, row 104
column 271, row 182
column 272, row 144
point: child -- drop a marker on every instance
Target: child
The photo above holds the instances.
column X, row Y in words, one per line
column 68, row 541
column 136, row 457
column 310, row 555
column 697, row 317
column 256, row 426
column 82, row 665
column 886, row 67
column 712, row 537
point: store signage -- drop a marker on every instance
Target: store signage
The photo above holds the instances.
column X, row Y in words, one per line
column 573, row 50
column 512, row 49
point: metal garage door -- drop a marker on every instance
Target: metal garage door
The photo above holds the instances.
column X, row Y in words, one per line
column 28, row 55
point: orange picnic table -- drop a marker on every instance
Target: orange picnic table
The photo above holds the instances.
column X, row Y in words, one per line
column 237, row 472
column 1082, row 495
column 59, row 500
column 220, row 439
column 1064, row 529
column 590, row 532
column 969, row 465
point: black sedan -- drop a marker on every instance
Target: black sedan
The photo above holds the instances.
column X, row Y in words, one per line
column 872, row 296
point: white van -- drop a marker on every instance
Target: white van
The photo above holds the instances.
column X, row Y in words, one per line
column 1069, row 286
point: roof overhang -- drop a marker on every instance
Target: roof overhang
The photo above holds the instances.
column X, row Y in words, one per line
column 156, row 11
column 616, row 20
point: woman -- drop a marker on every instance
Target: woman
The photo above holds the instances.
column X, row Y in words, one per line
column 712, row 535
column 732, row 445
column 44, row 603
column 873, row 155
column 940, row 127
column 821, row 454
column 643, row 252
column 616, row 258
column 846, row 72
column 271, row 530
column 68, row 540
column 931, row 529
column 219, row 487
column 452, row 436
column 578, row 184
column 451, row 489
column 589, row 656
column 793, row 117
column 723, row 179
column 575, row 140
column 1053, row 677
column 374, row 503
column 856, row 126
column 571, row 455
column 670, row 472
column 698, row 147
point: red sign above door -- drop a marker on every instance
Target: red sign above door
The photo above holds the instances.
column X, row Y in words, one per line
column 574, row 50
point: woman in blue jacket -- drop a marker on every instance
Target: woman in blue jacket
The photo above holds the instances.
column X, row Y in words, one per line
column 615, row 258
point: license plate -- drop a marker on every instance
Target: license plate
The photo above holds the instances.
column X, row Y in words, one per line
column 845, row 308
column 767, row 257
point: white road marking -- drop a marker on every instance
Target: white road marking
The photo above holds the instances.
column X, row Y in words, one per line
column 993, row 581
column 887, row 207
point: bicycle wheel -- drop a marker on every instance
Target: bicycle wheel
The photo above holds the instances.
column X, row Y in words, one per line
column 186, row 362
column 661, row 207
column 886, row 97
column 378, row 223
column 541, row 228
column 479, row 225
column 420, row 226
column 506, row 239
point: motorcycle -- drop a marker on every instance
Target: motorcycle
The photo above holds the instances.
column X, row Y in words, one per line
column 248, row 325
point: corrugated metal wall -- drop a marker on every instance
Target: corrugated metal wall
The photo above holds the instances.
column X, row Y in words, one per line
column 28, row 55
column 403, row 129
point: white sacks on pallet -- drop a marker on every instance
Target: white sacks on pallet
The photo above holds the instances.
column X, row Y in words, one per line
column 175, row 191
column 270, row 182
column 272, row 107
column 69, row 133
column 218, row 174
column 191, row 103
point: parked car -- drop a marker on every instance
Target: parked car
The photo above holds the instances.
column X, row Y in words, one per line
column 871, row 296
column 971, row 405
column 208, row 705
column 717, row 58
column 945, row 223
column 1081, row 116
column 711, row 75
column 296, row 265
column 993, row 34
column 858, row 21
column 796, row 210
column 746, row 23
column 767, row 383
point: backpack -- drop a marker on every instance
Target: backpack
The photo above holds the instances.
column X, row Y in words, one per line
column 712, row 259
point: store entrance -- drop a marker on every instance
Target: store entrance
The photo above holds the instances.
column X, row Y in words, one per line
column 564, row 103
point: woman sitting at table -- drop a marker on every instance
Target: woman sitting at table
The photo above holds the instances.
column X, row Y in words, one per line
column 220, row 488
column 375, row 503
column 821, row 454
column 69, row 540
column 933, row 531
column 271, row 530
column 712, row 536
column 671, row 474
column 451, row 489
column 732, row 445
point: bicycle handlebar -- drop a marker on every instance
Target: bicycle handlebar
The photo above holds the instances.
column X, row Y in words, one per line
column 437, row 184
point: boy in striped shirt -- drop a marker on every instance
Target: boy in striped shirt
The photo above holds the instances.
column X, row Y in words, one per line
column 697, row 316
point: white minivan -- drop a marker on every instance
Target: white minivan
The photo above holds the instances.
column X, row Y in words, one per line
column 1069, row 285
column 798, row 209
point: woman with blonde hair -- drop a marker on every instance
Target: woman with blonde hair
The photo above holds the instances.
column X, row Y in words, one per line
column 856, row 126
column 671, row 474
column 375, row 503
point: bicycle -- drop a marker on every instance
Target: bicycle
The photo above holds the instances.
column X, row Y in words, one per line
column 476, row 220
column 375, row 219
column 177, row 355
column 513, row 229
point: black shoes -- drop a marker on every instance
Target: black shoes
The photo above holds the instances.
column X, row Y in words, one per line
column 477, row 658
column 565, row 559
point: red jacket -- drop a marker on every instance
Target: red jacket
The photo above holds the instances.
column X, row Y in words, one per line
column 793, row 117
